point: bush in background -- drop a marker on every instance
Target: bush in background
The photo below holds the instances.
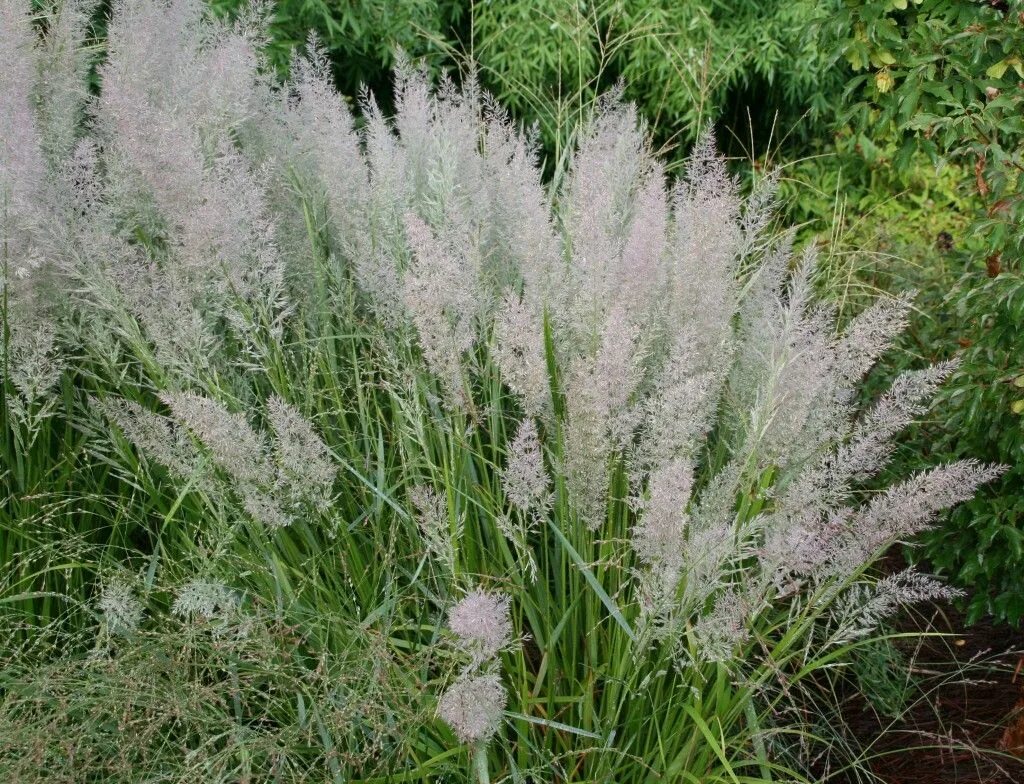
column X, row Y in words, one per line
column 945, row 80
column 360, row 38
column 684, row 63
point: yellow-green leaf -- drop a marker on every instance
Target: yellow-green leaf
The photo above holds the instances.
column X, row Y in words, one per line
column 881, row 58
column 997, row 70
column 899, row 5
column 1019, row 381
column 884, row 81
column 1017, row 406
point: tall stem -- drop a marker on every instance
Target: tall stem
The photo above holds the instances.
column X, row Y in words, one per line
column 480, row 762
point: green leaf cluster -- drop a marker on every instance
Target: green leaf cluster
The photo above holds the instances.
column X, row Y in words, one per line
column 361, row 37
column 944, row 80
column 684, row 62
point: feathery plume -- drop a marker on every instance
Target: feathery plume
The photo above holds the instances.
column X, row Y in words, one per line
column 441, row 297
column 863, row 608
column 641, row 273
column 303, row 459
column 472, row 706
column 718, row 634
column 64, row 71
column 236, row 447
column 366, row 219
column 680, row 410
column 177, row 92
column 154, row 435
column 520, row 354
column 704, row 254
column 121, row 609
column 610, row 161
column 24, row 219
column 905, row 400
column 520, row 234
column 599, row 416
column 207, row 600
column 482, row 623
column 659, row 538
column 905, row 509
column 524, row 478
column 757, row 212
column 33, row 363
column 869, row 335
column 432, row 518
column 242, row 453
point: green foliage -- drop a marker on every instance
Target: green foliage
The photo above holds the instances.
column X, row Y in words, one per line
column 945, row 75
column 980, row 413
column 684, row 63
column 688, row 63
column 945, row 80
column 880, row 229
column 360, row 37
column 880, row 671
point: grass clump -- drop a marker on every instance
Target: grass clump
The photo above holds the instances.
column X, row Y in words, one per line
column 360, row 454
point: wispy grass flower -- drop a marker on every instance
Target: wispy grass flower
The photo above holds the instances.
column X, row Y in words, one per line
column 121, row 609
column 482, row 624
column 473, row 707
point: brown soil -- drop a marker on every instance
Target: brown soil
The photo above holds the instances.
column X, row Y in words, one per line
column 968, row 727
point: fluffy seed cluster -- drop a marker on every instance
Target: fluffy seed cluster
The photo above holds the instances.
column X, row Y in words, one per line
column 473, row 706
column 154, row 436
column 122, row 610
column 525, row 479
column 303, row 461
column 203, row 599
column 482, row 623
column 277, row 480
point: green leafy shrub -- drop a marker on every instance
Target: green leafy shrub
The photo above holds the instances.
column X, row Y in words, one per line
column 683, row 63
column 944, row 79
column 360, row 38
column 980, row 414
column 945, row 76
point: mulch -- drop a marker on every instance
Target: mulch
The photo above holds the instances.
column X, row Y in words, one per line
column 968, row 727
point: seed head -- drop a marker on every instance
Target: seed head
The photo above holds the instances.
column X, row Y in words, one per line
column 204, row 599
column 473, row 707
column 524, row 478
column 482, row 622
column 122, row 611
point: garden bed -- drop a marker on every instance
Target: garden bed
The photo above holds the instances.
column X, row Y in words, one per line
column 973, row 717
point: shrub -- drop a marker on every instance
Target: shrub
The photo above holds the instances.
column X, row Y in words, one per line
column 977, row 414
column 362, row 454
column 751, row 67
column 360, row 38
column 943, row 79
